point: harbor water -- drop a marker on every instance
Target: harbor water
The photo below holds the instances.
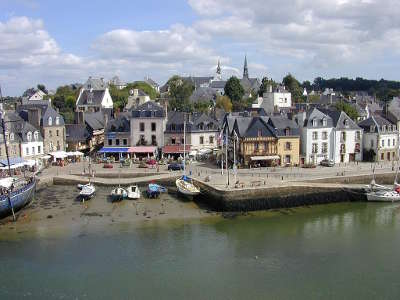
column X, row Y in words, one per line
column 335, row 251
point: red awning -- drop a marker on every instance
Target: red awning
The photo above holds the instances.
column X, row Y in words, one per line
column 173, row 149
column 142, row 149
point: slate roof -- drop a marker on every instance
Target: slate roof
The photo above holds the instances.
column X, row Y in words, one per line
column 198, row 81
column 203, row 94
column 258, row 127
column 88, row 97
column 339, row 118
column 120, row 124
column 197, row 122
column 241, row 125
column 249, row 84
column 376, row 121
column 95, row 120
column 76, row 132
column 150, row 109
column 218, row 84
column 20, row 128
column 394, row 108
column 281, row 124
column 151, row 82
column 47, row 111
column 318, row 116
column 95, row 84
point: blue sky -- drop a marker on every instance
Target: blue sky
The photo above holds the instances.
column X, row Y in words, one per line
column 60, row 42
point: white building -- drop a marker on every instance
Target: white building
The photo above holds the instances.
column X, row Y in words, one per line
column 94, row 100
column 37, row 96
column 316, row 135
column 278, row 98
column 136, row 98
column 380, row 139
column 346, row 138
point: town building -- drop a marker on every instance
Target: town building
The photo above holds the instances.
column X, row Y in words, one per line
column 77, row 137
column 50, row 123
column 346, row 138
column 116, row 81
column 148, row 123
column 316, row 130
column 118, row 132
column 380, row 139
column 152, row 83
column 202, row 131
column 94, row 96
column 251, row 86
column 136, row 98
column 274, row 99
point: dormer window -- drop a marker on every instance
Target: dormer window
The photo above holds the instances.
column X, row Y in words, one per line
column 36, row 135
column 324, row 122
column 372, row 128
column 314, row 123
column 57, row 120
column 346, row 123
column 383, row 128
column 11, row 136
column 29, row 136
column 287, row 131
column 50, row 121
column 259, row 132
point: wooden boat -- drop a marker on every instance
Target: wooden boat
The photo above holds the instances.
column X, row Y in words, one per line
column 383, row 196
column 186, row 187
column 118, row 194
column 87, row 192
column 18, row 197
column 133, row 192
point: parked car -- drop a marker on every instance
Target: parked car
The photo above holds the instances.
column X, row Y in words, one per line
column 327, row 163
column 175, row 167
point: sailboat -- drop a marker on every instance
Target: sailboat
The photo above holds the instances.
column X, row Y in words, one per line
column 185, row 184
column 385, row 194
column 17, row 193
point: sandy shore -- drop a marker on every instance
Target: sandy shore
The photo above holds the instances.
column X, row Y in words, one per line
column 55, row 211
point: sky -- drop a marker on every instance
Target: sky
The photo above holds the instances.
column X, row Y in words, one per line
column 62, row 42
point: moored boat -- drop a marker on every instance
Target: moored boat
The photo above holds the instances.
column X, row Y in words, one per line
column 383, row 196
column 154, row 190
column 186, row 187
column 87, row 192
column 118, row 194
column 133, row 192
column 80, row 186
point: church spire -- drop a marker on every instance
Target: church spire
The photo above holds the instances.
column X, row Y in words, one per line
column 219, row 68
column 245, row 69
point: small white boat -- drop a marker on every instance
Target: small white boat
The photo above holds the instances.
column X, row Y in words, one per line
column 186, row 187
column 383, row 196
column 81, row 186
column 118, row 194
column 87, row 192
column 133, row 192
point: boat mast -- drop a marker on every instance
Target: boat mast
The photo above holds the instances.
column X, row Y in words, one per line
column 226, row 153
column 184, row 143
column 8, row 158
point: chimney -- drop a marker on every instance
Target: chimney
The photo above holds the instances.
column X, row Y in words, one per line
column 79, row 117
column 34, row 116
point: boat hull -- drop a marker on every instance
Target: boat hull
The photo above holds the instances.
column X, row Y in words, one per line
column 19, row 198
column 373, row 197
column 187, row 188
column 133, row 193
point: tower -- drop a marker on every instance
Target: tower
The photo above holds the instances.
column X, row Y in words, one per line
column 218, row 74
column 245, row 69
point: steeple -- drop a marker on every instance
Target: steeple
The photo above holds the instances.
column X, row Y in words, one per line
column 219, row 68
column 245, row 69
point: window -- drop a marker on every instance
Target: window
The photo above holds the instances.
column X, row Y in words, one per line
column 142, row 141
column 153, row 126
column 39, row 150
column 50, row 121
column 287, row 131
column 51, row 146
column 383, row 143
column 58, row 146
column 394, row 142
column 117, row 142
column 259, row 132
column 314, row 123
column 357, row 148
column 154, row 140
column 256, row 146
column 173, row 127
column 324, row 135
column 33, row 150
column 201, row 140
column 36, row 135
column 287, row 159
column 358, row 135
column 57, row 133
column 315, row 135
column 383, row 128
column 173, row 141
column 50, row 133
column 388, row 143
column 211, row 139
column 288, row 146
column 324, row 147
column 382, row 156
column 27, row 151
column 15, row 150
column 343, row 136
column 125, row 142
column 372, row 143
column 314, row 148
column 11, row 136
column 141, row 125
column 343, row 148
column 109, row 142
column 324, row 122
column 29, row 136
column 57, row 120
column 346, row 123
column 182, row 140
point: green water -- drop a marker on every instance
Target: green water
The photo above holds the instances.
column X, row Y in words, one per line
column 341, row 251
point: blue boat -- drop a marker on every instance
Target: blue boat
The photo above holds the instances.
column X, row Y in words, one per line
column 154, row 190
column 19, row 198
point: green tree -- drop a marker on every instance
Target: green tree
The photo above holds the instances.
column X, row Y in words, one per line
column 348, row 109
column 179, row 92
column 265, row 83
column 64, row 100
column 119, row 97
column 293, row 85
column 224, row 102
column 234, row 90
column 203, row 106
column 145, row 87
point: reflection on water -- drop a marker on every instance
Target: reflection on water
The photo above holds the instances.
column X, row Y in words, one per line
column 328, row 251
